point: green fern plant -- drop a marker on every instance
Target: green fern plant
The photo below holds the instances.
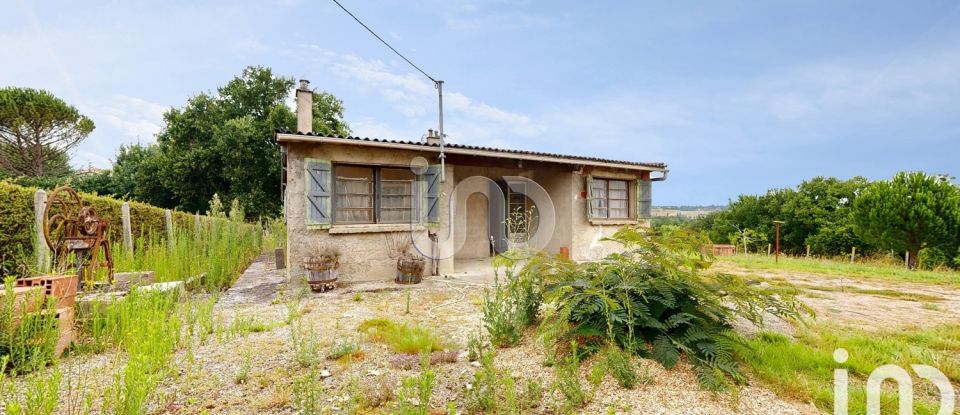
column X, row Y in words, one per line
column 653, row 300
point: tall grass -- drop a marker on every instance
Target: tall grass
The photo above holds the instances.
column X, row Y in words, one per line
column 211, row 259
column 803, row 369
column 863, row 268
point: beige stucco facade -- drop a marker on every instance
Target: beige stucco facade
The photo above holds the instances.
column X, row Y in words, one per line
column 464, row 228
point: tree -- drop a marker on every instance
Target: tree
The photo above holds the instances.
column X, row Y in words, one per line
column 223, row 143
column 37, row 130
column 908, row 213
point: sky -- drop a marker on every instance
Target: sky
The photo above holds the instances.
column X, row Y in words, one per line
column 736, row 97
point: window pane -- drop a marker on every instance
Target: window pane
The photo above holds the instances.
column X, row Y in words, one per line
column 598, row 204
column 396, row 195
column 354, row 194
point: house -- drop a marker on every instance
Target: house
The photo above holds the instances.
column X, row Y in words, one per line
column 459, row 204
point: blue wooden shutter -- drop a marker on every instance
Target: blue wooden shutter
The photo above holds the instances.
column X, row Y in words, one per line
column 317, row 186
column 644, row 199
column 432, row 194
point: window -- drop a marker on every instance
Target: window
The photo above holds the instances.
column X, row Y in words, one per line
column 373, row 195
column 610, row 199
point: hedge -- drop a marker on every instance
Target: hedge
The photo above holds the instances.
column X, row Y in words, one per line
column 17, row 218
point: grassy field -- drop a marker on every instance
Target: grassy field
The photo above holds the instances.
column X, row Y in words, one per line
column 802, row 368
column 827, row 267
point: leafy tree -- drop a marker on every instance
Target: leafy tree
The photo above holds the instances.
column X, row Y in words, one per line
column 908, row 213
column 37, row 130
column 223, row 143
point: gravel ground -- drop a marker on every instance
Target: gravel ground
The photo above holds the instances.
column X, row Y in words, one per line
column 208, row 379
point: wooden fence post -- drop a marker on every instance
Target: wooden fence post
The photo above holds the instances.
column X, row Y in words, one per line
column 168, row 215
column 769, row 248
column 808, row 251
column 906, row 260
column 41, row 248
column 853, row 253
column 127, row 232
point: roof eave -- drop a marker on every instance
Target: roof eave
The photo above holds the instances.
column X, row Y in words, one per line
column 572, row 160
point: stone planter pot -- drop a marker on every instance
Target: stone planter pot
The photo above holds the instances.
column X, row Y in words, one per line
column 321, row 273
column 409, row 270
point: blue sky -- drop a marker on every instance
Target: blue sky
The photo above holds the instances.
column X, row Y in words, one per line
column 737, row 97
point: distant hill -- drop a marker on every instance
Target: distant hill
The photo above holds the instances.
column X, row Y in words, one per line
column 685, row 211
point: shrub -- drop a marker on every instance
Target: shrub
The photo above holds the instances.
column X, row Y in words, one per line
column 402, row 338
column 653, row 300
column 513, row 306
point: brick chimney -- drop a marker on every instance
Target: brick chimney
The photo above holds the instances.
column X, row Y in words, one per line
column 304, row 107
column 433, row 137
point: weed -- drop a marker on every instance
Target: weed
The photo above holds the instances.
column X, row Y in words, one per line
column 402, row 338
column 305, row 344
column 28, row 340
column 40, row 394
column 567, row 381
column 344, row 348
column 621, row 367
column 243, row 372
column 357, row 297
column 308, row 393
column 930, row 306
column 532, row 394
column 513, row 306
column 242, row 326
column 415, row 392
column 474, row 346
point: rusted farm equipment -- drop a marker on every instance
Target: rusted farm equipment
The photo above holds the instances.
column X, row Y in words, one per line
column 73, row 230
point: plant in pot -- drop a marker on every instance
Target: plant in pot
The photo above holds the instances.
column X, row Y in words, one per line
column 409, row 265
column 321, row 267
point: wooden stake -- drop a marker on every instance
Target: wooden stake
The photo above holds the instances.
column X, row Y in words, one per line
column 808, row 251
column 853, row 253
column 41, row 248
column 769, row 249
column 168, row 215
column 127, row 232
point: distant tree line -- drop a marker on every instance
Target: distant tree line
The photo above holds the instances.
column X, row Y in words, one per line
column 217, row 143
column 913, row 213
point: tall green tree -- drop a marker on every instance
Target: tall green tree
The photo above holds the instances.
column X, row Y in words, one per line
column 910, row 212
column 223, row 143
column 37, row 130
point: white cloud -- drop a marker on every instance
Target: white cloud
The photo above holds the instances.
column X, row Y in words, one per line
column 134, row 117
column 913, row 81
column 416, row 98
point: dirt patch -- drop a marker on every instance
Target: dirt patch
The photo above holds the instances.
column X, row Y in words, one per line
column 864, row 304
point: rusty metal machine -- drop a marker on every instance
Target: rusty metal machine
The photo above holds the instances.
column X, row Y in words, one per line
column 77, row 236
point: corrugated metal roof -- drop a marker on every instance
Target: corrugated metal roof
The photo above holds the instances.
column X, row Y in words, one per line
column 656, row 165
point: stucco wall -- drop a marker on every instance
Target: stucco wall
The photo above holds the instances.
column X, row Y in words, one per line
column 586, row 236
column 364, row 255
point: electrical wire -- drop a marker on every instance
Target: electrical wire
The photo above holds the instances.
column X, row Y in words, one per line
column 384, row 42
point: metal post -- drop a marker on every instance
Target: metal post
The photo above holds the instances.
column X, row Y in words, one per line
column 443, row 139
column 777, row 254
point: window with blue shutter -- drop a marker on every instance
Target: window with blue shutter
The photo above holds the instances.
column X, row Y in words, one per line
column 431, row 177
column 644, row 199
column 317, row 188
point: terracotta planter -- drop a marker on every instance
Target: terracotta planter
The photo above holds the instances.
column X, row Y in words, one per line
column 409, row 270
column 321, row 273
